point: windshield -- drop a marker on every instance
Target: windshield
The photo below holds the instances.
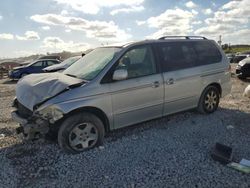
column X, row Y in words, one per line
column 70, row 60
column 92, row 64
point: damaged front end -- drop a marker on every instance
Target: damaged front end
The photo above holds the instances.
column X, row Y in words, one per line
column 32, row 92
column 34, row 125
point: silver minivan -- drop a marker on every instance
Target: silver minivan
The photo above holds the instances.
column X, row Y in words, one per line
column 117, row 86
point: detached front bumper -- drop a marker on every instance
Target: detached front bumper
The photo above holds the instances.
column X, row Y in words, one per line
column 31, row 129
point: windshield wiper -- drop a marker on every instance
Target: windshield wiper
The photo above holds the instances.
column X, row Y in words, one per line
column 74, row 76
column 71, row 75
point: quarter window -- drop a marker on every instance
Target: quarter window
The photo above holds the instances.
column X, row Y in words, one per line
column 207, row 52
column 138, row 62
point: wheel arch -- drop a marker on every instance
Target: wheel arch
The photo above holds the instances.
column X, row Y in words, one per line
column 217, row 85
column 93, row 110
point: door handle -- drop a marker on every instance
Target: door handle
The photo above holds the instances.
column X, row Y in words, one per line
column 170, row 81
column 155, row 84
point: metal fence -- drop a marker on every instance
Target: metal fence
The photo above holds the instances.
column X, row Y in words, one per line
column 3, row 73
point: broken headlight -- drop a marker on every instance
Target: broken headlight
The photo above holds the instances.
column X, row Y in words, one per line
column 50, row 113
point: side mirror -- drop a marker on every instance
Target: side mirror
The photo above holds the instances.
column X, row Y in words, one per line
column 120, row 74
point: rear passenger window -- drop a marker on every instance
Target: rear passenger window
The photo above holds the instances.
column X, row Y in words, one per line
column 38, row 64
column 175, row 56
column 49, row 63
column 182, row 55
column 207, row 52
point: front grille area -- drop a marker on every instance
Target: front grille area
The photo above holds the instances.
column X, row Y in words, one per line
column 23, row 111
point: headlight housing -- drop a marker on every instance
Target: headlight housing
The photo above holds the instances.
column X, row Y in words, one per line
column 242, row 63
column 51, row 113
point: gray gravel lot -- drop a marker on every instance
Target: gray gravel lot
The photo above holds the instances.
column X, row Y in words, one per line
column 169, row 152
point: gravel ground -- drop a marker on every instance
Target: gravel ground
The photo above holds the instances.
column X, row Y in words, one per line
column 169, row 152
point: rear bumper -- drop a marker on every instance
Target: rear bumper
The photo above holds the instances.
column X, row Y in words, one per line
column 30, row 129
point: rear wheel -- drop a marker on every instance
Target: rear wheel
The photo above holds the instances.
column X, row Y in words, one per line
column 209, row 100
column 81, row 132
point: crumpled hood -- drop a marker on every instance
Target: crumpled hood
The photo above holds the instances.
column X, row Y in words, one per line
column 55, row 67
column 36, row 88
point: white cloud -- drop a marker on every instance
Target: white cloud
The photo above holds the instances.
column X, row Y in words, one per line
column 171, row 22
column 6, row 36
column 67, row 30
column 208, row 11
column 127, row 10
column 94, row 6
column 138, row 22
column 230, row 5
column 64, row 12
column 238, row 37
column 101, row 30
column 23, row 53
column 1, row 17
column 214, row 30
column 29, row 35
column 46, row 28
column 191, row 4
column 57, row 44
column 197, row 22
column 194, row 12
column 229, row 19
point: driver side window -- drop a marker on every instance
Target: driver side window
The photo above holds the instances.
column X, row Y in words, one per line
column 38, row 64
column 138, row 62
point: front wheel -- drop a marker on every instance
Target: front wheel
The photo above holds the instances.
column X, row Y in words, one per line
column 209, row 100
column 81, row 132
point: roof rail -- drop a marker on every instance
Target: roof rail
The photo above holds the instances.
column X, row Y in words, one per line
column 185, row 37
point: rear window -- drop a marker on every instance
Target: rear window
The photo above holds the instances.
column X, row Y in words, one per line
column 207, row 52
column 182, row 55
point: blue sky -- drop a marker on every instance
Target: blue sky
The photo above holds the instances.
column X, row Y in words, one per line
column 40, row 26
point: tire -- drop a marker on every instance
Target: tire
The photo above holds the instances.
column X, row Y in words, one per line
column 81, row 132
column 209, row 100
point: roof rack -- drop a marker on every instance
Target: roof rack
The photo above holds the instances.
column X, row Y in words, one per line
column 185, row 37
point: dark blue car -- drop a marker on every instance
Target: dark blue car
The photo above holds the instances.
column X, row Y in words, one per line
column 34, row 67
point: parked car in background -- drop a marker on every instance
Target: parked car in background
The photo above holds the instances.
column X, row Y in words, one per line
column 239, row 57
column 117, row 86
column 230, row 57
column 55, row 57
column 62, row 66
column 34, row 67
column 243, row 68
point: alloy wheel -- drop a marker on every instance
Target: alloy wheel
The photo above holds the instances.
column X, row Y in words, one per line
column 83, row 136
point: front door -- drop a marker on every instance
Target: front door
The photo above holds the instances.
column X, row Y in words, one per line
column 37, row 67
column 140, row 96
